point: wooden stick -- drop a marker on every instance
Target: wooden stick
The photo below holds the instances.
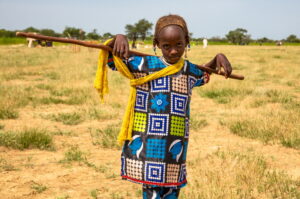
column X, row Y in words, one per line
column 104, row 47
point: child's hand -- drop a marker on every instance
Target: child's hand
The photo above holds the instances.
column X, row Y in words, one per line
column 220, row 61
column 120, row 46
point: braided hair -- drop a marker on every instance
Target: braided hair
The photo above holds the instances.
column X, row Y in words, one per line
column 170, row 20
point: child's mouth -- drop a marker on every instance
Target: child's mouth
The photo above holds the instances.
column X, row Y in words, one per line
column 173, row 60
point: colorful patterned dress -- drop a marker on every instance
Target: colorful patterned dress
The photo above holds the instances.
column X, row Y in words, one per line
column 157, row 153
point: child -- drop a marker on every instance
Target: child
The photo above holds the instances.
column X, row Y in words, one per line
column 155, row 147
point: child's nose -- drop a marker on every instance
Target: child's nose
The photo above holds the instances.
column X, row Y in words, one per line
column 173, row 51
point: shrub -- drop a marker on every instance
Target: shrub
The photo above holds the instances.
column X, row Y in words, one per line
column 29, row 138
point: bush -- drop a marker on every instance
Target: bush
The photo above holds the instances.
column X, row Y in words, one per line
column 29, row 138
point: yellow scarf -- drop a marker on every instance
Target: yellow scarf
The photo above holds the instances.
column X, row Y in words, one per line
column 101, row 84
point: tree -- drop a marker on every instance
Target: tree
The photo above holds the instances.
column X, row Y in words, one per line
column 292, row 39
column 93, row 35
column 7, row 33
column 264, row 40
column 74, row 33
column 31, row 29
column 107, row 35
column 238, row 36
column 132, row 33
column 142, row 28
column 49, row 32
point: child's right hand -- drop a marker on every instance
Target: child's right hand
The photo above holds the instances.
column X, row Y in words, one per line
column 120, row 46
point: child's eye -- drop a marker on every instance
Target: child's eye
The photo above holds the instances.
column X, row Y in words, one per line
column 179, row 44
column 166, row 46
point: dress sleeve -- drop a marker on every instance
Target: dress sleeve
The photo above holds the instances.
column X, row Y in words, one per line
column 134, row 63
column 201, row 76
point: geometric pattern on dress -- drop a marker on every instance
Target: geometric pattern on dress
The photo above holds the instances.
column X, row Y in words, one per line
column 177, row 126
column 191, row 83
column 123, row 166
column 139, row 122
column 144, row 86
column 179, row 84
column 155, row 171
column 154, row 62
column 178, row 104
column 161, row 84
column 158, row 124
column 156, row 148
column 134, row 168
column 182, row 175
column 187, row 128
column 172, row 173
column 141, row 102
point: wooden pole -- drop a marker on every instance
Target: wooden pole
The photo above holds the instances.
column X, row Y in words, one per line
column 104, row 47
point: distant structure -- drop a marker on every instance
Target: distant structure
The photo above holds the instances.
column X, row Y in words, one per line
column 279, row 43
column 204, row 43
column 38, row 43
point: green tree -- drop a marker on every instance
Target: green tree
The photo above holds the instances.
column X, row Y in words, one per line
column 238, row 36
column 73, row 32
column 107, row 35
column 49, row 32
column 93, row 35
column 132, row 33
column 31, row 29
column 292, row 39
column 264, row 40
column 7, row 33
column 142, row 28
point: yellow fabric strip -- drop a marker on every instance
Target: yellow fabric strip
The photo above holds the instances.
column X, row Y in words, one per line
column 101, row 84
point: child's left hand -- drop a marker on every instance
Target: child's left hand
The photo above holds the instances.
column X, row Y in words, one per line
column 218, row 62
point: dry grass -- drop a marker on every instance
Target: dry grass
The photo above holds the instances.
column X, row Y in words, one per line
column 245, row 135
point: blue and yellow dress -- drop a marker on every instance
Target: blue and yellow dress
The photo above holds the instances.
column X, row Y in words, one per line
column 156, row 155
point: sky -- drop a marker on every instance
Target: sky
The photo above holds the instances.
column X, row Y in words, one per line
column 274, row 19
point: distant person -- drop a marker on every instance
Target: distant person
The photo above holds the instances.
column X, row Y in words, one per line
column 204, row 43
column 155, row 127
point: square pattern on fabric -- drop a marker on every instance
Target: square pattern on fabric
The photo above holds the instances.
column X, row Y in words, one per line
column 155, row 171
column 144, row 86
column 140, row 122
column 173, row 172
column 141, row 103
column 179, row 84
column 177, row 126
column 158, row 124
column 161, row 84
column 134, row 168
column 156, row 148
column 178, row 104
column 191, row 83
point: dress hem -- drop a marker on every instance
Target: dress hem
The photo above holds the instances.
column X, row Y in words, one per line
column 179, row 184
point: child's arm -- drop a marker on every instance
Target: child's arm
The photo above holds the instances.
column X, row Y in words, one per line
column 120, row 46
column 220, row 60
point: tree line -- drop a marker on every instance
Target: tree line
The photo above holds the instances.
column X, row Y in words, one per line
column 141, row 30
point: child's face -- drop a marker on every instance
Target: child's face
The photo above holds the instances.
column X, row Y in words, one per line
column 171, row 41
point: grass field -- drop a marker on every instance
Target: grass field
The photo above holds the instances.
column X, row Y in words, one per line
column 58, row 141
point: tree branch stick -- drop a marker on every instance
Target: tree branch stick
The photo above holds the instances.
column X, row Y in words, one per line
column 104, row 47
